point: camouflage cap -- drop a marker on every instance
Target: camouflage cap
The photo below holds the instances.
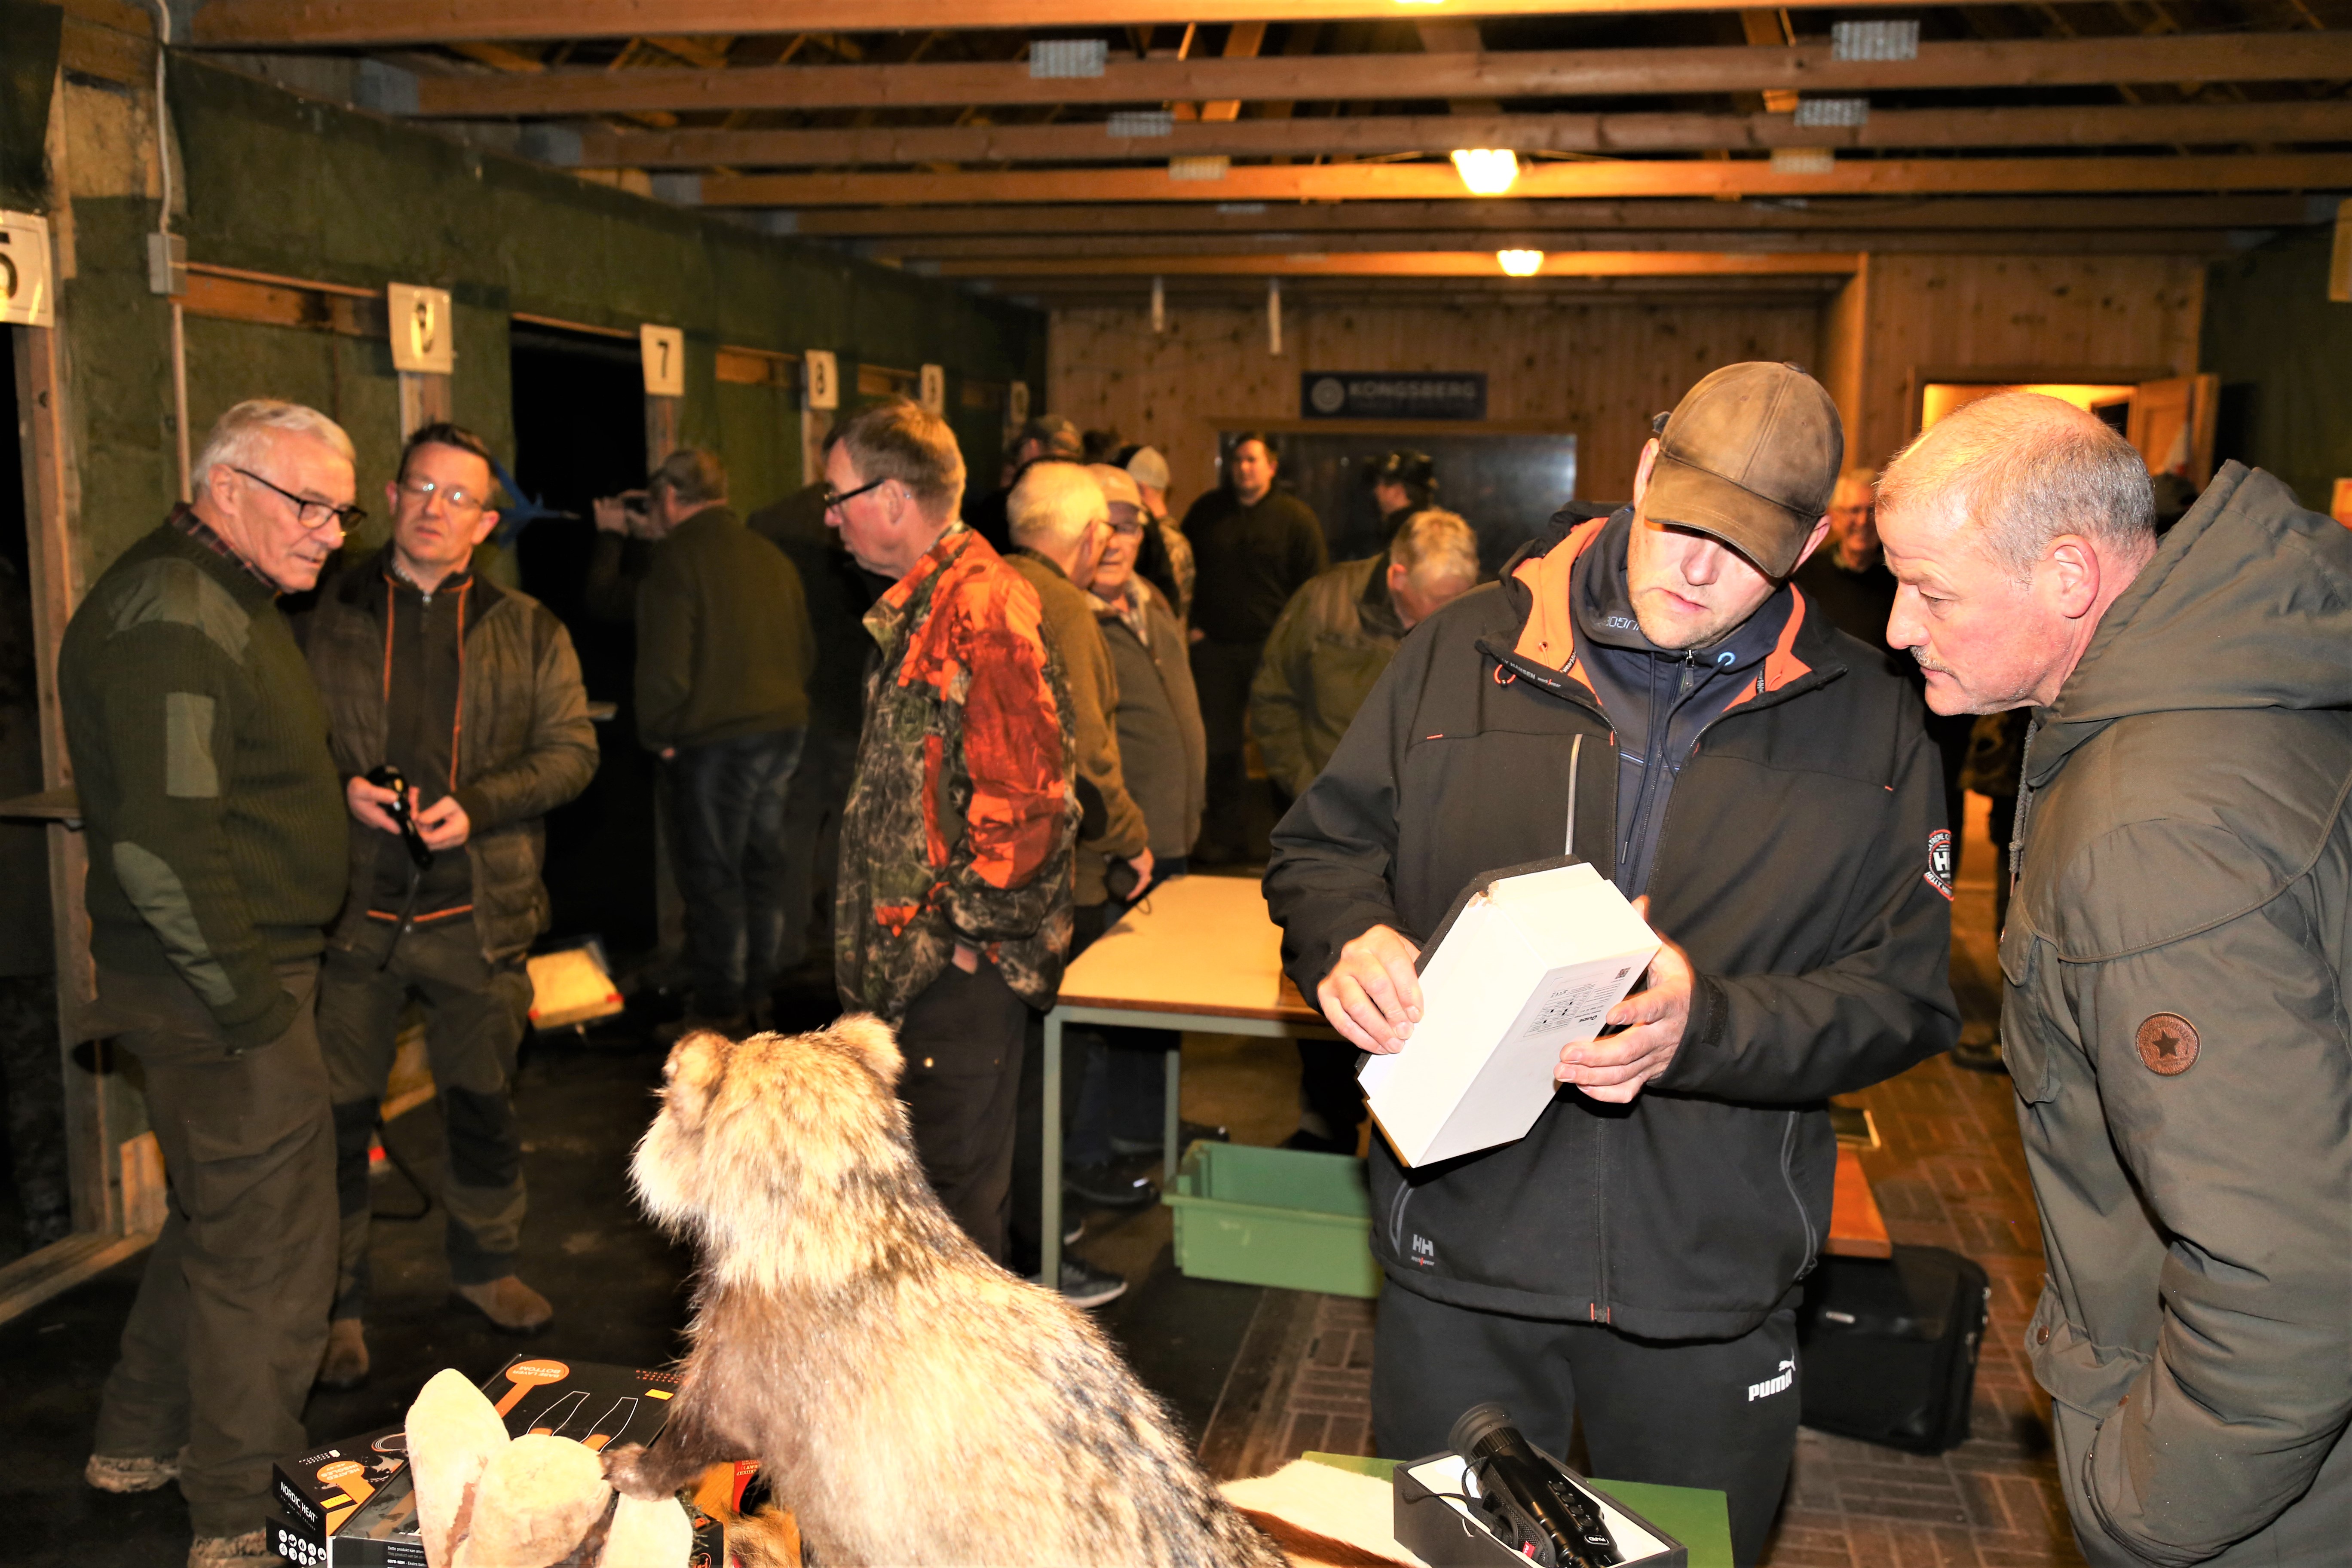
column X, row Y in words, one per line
column 1750, row 455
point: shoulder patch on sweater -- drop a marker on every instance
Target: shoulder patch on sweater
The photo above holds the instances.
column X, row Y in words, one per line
column 2168, row 1044
column 1939, row 862
column 174, row 590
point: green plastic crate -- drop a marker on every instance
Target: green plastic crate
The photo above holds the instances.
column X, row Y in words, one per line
column 1285, row 1217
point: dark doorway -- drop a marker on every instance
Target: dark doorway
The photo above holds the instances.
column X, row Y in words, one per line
column 579, row 433
column 34, row 1200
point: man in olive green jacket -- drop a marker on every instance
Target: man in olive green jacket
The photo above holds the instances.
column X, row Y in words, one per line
column 2176, row 955
column 1338, row 633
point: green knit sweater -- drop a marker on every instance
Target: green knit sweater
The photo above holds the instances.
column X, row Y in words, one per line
column 216, row 819
column 724, row 647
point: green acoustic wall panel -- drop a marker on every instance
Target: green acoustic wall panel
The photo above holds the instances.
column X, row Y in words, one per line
column 281, row 184
column 2283, row 352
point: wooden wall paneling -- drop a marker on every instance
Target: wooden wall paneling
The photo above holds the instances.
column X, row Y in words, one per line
column 1600, row 370
column 1844, row 354
column 1954, row 312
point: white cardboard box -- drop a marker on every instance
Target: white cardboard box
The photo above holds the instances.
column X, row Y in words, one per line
column 1530, row 962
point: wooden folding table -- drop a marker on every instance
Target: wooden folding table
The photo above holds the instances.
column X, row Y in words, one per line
column 1201, row 953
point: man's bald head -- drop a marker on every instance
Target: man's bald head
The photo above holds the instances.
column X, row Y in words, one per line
column 2019, row 470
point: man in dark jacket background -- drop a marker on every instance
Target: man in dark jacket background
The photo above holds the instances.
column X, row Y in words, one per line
column 473, row 693
column 1634, row 1260
column 2175, row 956
column 724, row 651
column 1253, row 546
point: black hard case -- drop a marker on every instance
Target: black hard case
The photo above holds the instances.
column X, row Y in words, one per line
column 1438, row 1534
column 1888, row 1347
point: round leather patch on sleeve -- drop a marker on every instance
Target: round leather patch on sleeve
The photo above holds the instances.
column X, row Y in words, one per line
column 2168, row 1044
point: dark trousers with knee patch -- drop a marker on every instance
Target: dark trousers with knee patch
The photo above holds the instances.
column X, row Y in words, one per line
column 962, row 1039
column 230, row 1321
column 475, row 1014
column 1717, row 1414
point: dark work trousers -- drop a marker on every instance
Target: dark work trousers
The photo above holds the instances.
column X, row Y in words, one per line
column 813, row 805
column 475, row 1015
column 1123, row 1083
column 1331, row 1099
column 1680, row 1413
column 1222, row 673
column 1081, row 1043
column 962, row 1038
column 1951, row 733
column 231, row 1319
column 727, row 827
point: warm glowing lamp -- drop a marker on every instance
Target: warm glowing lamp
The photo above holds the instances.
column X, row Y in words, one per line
column 1488, row 171
column 1520, row 263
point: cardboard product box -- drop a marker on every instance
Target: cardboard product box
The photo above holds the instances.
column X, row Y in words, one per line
column 1433, row 1521
column 319, row 1489
column 588, row 1402
column 349, row 1504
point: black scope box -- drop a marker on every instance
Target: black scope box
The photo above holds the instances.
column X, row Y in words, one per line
column 1446, row 1534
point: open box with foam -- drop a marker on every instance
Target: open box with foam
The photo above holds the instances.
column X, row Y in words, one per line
column 1444, row 1530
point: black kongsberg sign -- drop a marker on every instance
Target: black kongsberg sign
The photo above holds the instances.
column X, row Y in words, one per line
column 1418, row 395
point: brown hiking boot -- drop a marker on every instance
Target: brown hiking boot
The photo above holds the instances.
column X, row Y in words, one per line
column 345, row 1365
column 116, row 1473
column 511, row 1306
column 247, row 1551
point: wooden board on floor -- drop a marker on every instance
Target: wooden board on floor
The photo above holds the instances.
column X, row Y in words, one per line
column 1856, row 1227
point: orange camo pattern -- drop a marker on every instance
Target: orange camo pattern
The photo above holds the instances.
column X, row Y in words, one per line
column 966, row 762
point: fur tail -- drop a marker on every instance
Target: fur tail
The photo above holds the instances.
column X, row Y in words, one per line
column 769, row 1539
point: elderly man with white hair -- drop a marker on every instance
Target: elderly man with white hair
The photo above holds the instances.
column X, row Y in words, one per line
column 1060, row 524
column 218, row 854
column 2175, row 957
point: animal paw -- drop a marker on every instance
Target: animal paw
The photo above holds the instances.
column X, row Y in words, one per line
column 625, row 1472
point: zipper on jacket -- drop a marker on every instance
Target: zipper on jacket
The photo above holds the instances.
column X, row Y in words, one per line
column 1789, row 1180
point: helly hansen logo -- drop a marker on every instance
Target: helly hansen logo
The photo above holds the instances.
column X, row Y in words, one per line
column 1777, row 1383
column 1939, row 862
column 1424, row 1252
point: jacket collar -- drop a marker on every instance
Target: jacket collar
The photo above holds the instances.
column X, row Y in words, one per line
column 1539, row 582
column 906, row 598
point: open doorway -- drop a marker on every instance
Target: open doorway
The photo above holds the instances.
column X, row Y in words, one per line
column 2170, row 419
column 35, row 1196
column 579, row 433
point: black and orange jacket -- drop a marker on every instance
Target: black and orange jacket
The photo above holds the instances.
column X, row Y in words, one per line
column 1792, row 864
column 962, row 821
column 520, row 740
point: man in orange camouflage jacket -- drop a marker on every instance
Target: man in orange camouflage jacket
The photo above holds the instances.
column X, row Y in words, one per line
column 953, row 911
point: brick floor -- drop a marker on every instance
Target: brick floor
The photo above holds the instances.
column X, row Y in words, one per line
column 1949, row 1172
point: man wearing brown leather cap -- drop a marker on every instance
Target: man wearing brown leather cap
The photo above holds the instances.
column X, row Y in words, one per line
column 1647, row 692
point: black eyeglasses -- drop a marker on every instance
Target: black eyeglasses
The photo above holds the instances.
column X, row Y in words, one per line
column 347, row 518
column 834, row 498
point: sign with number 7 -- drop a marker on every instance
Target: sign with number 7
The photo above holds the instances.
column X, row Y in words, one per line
column 664, row 352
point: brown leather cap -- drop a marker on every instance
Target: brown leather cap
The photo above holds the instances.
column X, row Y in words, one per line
column 1751, row 456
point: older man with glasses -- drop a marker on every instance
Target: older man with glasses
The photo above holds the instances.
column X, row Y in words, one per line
column 469, row 694
column 952, row 914
column 216, row 827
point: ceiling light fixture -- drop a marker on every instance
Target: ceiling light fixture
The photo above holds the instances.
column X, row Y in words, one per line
column 1520, row 263
column 1488, row 171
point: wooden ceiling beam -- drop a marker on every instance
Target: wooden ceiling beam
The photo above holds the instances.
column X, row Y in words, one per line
column 2193, row 125
column 2038, row 62
column 1438, row 182
column 1008, row 254
column 1958, row 213
column 383, row 24
column 1424, row 264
